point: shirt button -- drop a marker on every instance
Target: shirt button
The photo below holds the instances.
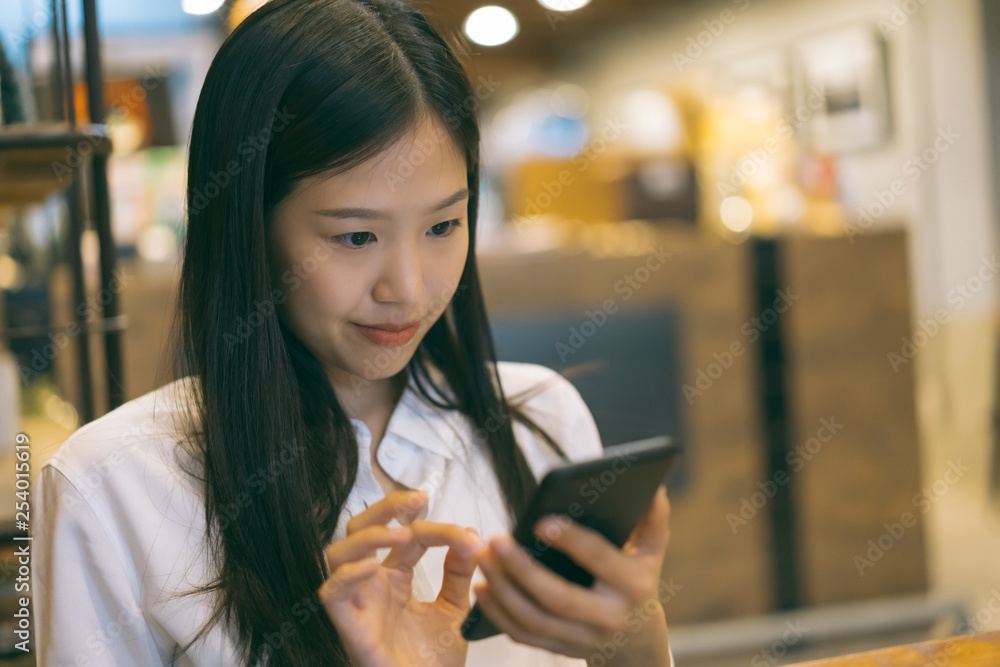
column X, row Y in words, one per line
column 392, row 450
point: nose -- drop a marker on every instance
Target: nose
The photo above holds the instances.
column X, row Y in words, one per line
column 400, row 277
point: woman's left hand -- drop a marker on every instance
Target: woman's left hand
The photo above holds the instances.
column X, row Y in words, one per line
column 619, row 614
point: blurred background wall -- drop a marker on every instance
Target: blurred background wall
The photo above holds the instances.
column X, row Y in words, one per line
column 800, row 197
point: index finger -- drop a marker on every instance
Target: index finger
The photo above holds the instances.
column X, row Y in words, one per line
column 427, row 534
column 395, row 505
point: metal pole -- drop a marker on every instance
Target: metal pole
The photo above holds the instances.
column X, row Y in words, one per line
column 102, row 208
column 65, row 109
column 57, row 62
column 67, row 68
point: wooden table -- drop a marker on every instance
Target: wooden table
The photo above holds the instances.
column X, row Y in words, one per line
column 981, row 650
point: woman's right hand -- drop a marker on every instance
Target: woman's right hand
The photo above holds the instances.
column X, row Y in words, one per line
column 371, row 604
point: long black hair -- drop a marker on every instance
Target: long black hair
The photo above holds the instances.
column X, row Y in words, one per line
column 301, row 88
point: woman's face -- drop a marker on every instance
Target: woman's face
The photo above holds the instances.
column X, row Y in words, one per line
column 382, row 244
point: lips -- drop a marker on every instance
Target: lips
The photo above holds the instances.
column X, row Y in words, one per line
column 393, row 328
column 389, row 335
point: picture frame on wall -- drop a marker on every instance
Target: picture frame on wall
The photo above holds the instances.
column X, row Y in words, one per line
column 847, row 70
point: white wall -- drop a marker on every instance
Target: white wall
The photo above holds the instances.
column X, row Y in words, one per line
column 937, row 81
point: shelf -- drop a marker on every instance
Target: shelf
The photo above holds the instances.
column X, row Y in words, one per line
column 37, row 159
column 118, row 323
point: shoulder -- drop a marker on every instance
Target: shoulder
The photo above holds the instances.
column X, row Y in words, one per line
column 139, row 432
column 540, row 389
column 553, row 403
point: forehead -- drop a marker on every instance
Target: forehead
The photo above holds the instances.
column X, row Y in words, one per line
column 417, row 171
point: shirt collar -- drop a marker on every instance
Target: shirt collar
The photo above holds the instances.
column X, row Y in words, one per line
column 427, row 426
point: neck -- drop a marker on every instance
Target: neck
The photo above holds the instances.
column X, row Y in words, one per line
column 367, row 400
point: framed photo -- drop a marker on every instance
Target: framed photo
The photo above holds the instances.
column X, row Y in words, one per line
column 841, row 89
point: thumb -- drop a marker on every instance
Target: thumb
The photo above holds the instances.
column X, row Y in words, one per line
column 459, row 566
column 652, row 534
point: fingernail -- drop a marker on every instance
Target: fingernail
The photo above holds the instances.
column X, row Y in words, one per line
column 542, row 526
column 475, row 541
column 502, row 545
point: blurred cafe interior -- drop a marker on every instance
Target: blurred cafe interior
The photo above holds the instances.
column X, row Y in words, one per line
column 765, row 227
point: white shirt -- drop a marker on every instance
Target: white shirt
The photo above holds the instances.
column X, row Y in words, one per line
column 119, row 526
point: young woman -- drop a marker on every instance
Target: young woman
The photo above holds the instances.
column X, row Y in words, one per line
column 343, row 456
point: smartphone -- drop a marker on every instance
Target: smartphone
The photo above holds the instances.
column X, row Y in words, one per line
column 609, row 494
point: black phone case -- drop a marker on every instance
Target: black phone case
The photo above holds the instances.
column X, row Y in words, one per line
column 609, row 494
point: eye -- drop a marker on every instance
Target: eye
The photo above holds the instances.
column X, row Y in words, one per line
column 445, row 228
column 354, row 240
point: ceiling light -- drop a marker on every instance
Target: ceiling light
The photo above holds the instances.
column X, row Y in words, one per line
column 201, row 6
column 491, row 25
column 563, row 5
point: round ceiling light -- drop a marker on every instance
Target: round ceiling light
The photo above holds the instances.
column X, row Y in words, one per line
column 491, row 26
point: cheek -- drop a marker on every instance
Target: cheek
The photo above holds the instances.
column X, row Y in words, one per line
column 328, row 292
column 324, row 295
column 447, row 272
column 457, row 256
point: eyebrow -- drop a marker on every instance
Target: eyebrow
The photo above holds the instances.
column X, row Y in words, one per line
column 371, row 214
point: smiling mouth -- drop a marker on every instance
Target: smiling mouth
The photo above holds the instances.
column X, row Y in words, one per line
column 386, row 338
column 392, row 328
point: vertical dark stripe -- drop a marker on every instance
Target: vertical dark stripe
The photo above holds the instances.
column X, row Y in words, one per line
column 991, row 43
column 101, row 210
column 68, row 89
column 58, row 104
column 774, row 419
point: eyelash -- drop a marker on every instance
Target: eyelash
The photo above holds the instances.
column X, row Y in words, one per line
column 343, row 238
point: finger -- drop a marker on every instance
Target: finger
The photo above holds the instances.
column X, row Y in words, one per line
column 652, row 534
column 555, row 593
column 396, row 505
column 459, row 567
column 364, row 544
column 428, row 534
column 532, row 619
column 340, row 585
column 593, row 552
column 504, row 621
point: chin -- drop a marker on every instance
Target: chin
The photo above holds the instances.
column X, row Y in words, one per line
column 386, row 363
